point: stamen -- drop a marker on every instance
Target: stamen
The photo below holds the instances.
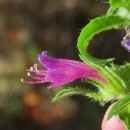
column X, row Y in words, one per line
column 37, row 72
column 127, row 29
column 33, row 82
column 38, row 78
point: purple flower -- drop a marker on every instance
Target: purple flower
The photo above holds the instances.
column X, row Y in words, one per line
column 60, row 71
column 126, row 43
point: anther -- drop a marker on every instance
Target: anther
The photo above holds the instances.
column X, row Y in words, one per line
column 35, row 66
column 29, row 74
column 22, row 80
column 31, row 68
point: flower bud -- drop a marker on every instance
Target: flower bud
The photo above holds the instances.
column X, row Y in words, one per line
column 113, row 123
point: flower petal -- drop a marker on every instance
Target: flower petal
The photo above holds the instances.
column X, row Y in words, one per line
column 126, row 44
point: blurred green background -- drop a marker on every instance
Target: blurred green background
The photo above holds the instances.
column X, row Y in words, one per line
column 27, row 27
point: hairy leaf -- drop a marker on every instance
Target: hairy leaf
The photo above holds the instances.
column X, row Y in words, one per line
column 124, row 72
column 115, row 82
column 76, row 91
column 118, row 106
column 120, row 3
column 94, row 27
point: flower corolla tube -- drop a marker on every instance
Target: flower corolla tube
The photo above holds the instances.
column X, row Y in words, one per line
column 60, row 71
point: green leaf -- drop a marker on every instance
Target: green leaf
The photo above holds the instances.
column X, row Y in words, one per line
column 94, row 27
column 76, row 91
column 115, row 82
column 121, row 11
column 123, row 72
column 118, row 106
column 120, row 3
column 124, row 115
column 114, row 89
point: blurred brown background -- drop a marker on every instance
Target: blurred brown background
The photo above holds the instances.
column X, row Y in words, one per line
column 28, row 27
